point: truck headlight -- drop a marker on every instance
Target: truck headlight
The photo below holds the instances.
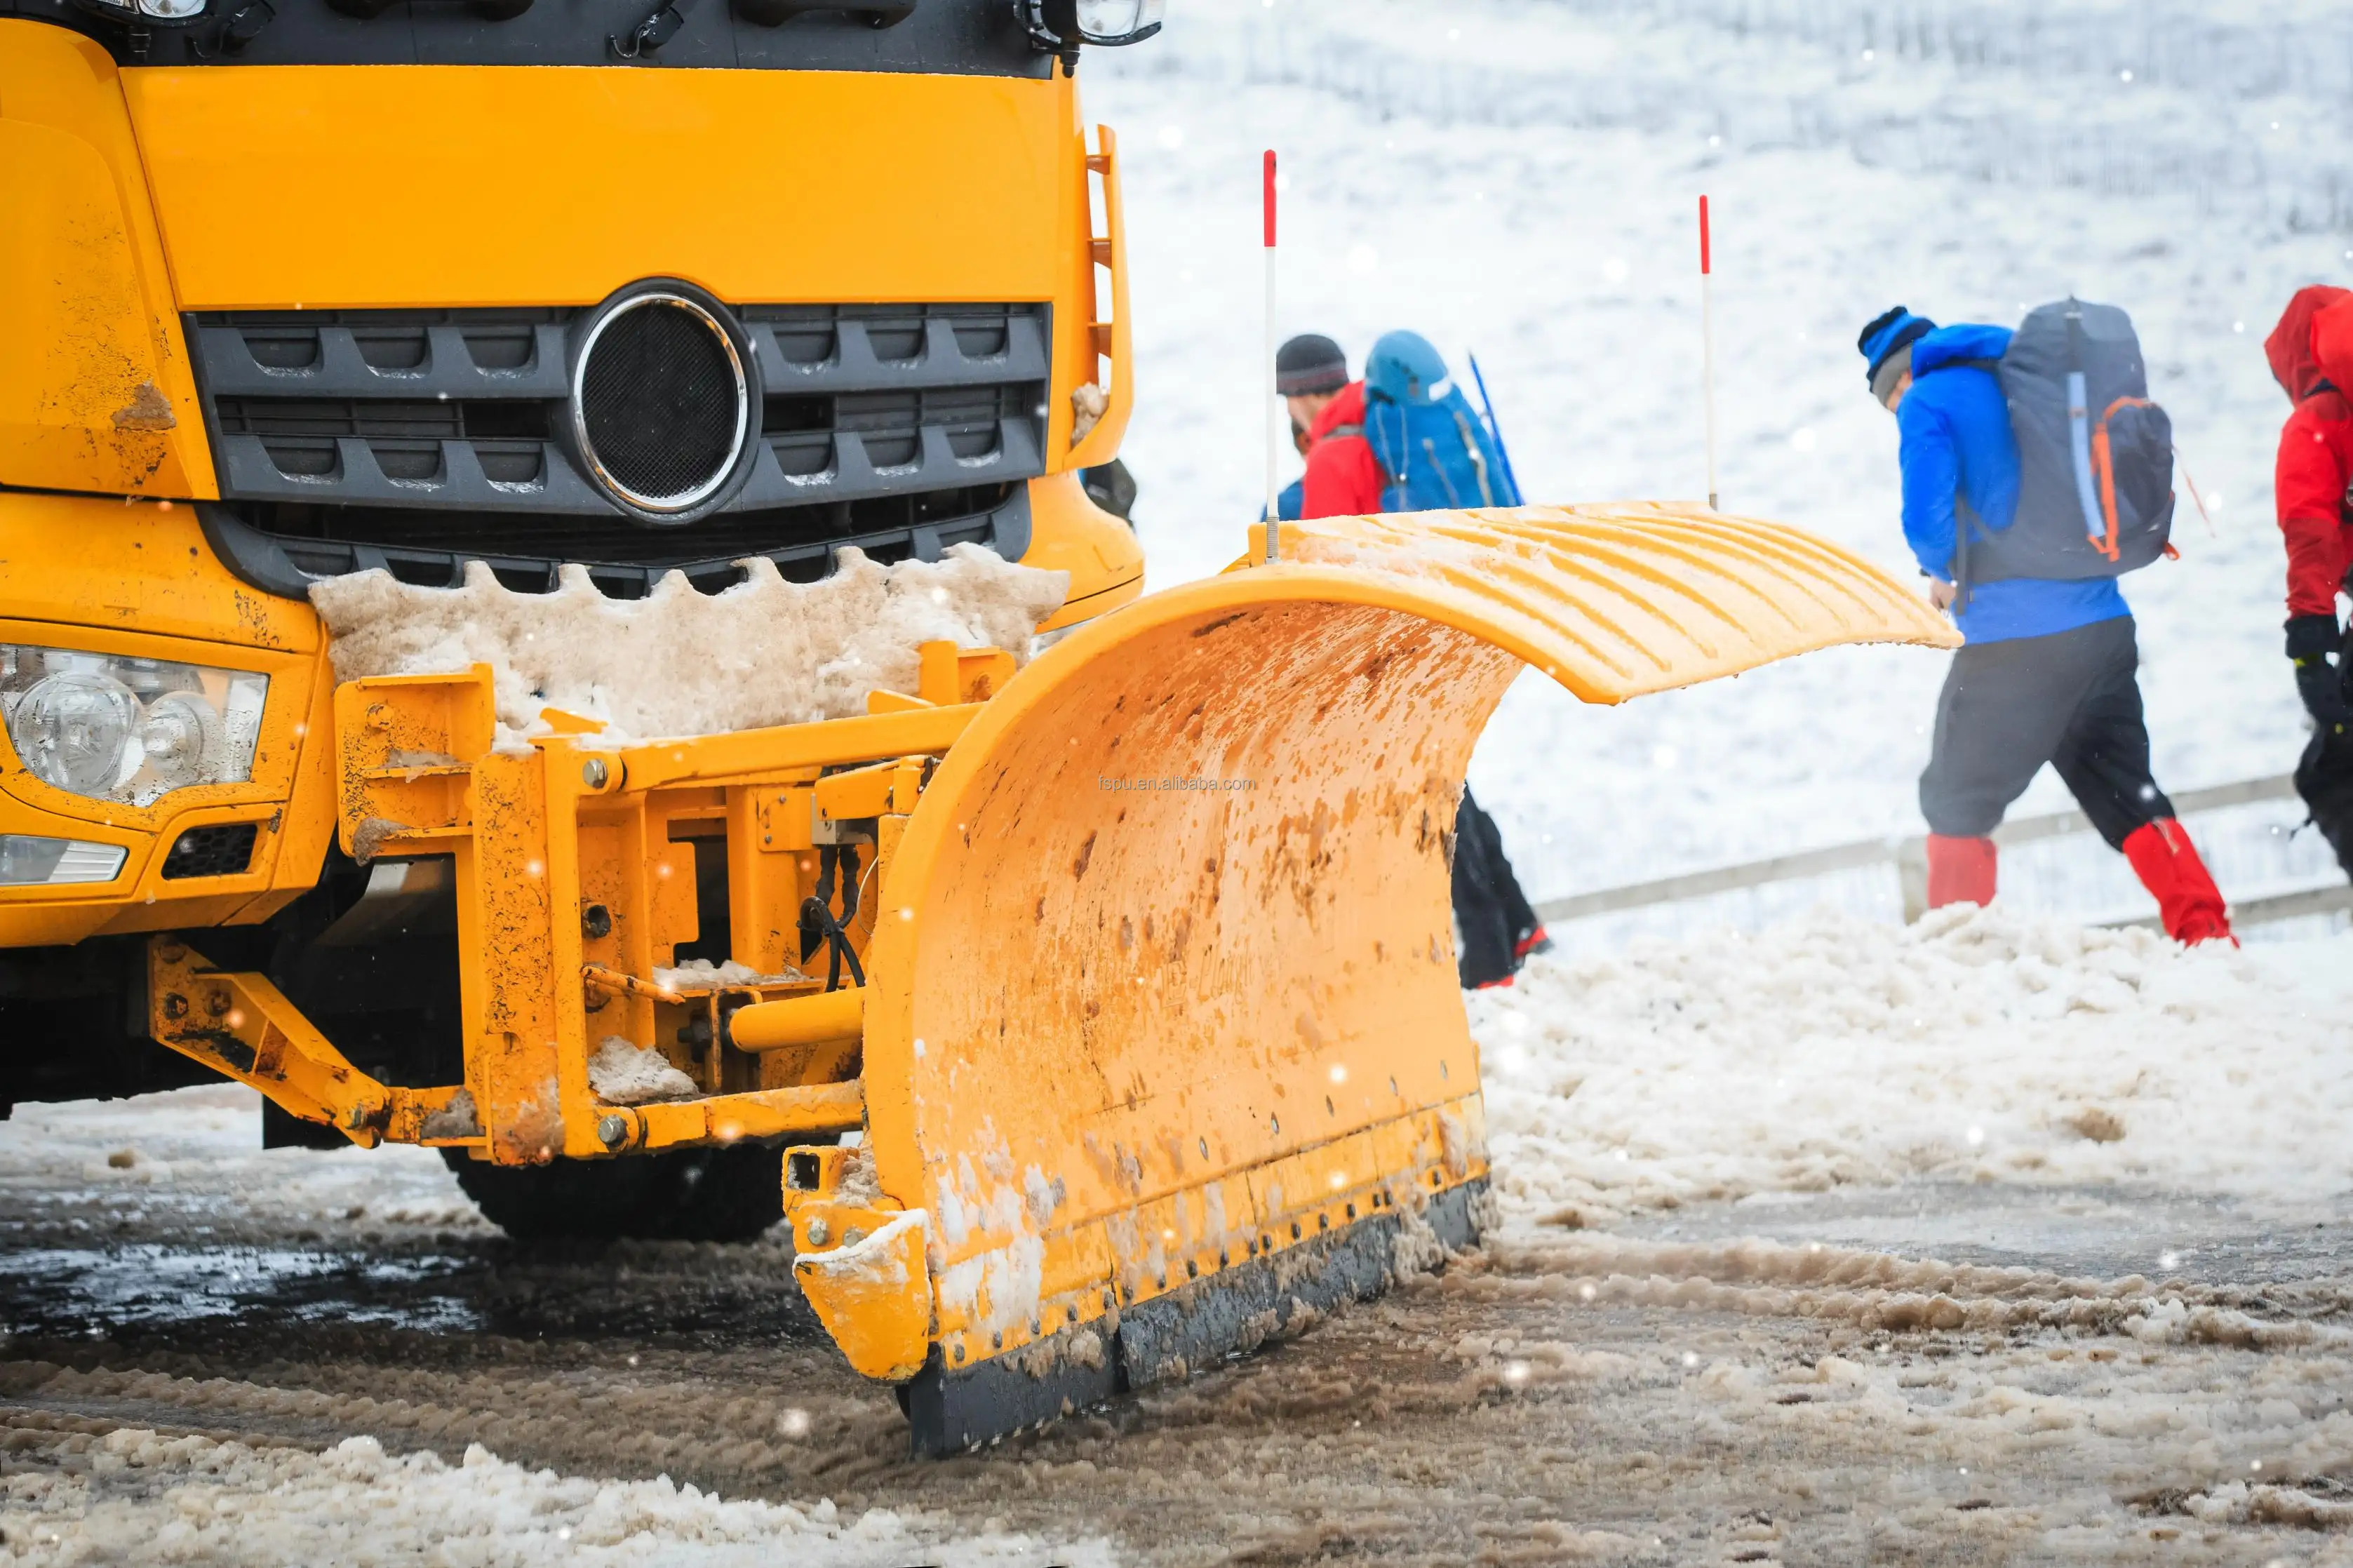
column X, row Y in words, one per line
column 1066, row 23
column 116, row 728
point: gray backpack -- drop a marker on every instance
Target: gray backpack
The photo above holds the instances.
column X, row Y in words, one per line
column 2094, row 455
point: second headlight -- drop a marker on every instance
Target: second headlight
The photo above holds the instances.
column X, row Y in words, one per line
column 111, row 727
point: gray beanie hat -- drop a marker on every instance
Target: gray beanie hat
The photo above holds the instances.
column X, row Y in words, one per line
column 1310, row 363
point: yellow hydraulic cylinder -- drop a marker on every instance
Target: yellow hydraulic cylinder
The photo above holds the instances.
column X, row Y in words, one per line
column 798, row 1022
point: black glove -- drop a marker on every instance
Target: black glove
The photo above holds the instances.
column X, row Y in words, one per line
column 2312, row 640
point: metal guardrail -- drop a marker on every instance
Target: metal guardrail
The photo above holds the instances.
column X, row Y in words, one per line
column 1909, row 857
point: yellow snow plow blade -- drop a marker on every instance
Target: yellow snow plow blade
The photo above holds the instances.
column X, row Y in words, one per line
column 1624, row 598
column 1163, row 1037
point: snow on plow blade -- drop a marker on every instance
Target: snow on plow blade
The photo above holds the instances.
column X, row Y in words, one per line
column 1164, row 1038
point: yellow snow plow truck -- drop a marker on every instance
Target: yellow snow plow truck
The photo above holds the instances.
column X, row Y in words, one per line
column 1082, row 1016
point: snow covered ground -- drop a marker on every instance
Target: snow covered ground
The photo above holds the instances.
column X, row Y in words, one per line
column 236, row 1502
column 1974, row 1046
column 2034, row 1222
column 1518, row 178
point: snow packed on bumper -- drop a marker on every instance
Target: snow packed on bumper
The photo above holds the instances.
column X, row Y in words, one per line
column 681, row 662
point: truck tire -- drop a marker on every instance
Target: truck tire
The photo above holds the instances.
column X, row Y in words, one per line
column 693, row 1195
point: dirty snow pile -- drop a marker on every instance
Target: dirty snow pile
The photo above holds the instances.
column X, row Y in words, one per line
column 355, row 1503
column 1974, row 1046
column 699, row 974
column 626, row 1074
column 193, row 1158
column 682, row 662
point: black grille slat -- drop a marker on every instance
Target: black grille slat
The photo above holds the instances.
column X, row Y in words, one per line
column 319, row 461
column 722, row 536
column 503, row 349
column 408, row 462
column 512, row 462
column 851, row 348
column 976, row 422
column 332, row 417
column 401, row 351
column 283, row 548
column 282, row 349
column 801, row 334
column 382, row 353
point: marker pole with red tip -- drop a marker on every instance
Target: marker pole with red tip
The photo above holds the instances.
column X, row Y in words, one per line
column 1275, row 424
column 1707, row 350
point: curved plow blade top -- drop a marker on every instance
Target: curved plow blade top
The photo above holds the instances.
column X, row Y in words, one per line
column 1619, row 599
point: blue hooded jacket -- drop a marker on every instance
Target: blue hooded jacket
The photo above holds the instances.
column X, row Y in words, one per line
column 1956, row 445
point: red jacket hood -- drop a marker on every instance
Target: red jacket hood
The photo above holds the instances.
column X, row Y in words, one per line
column 1348, row 408
column 2296, row 361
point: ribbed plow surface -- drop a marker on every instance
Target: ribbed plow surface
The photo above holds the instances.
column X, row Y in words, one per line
column 1618, row 599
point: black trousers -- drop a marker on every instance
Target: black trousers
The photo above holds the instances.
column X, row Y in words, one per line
column 1492, row 916
column 2072, row 700
column 2325, row 779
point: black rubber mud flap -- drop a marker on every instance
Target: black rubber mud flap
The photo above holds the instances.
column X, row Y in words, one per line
column 1168, row 1338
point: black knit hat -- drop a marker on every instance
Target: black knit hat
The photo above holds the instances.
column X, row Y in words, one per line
column 1891, row 333
column 1310, row 363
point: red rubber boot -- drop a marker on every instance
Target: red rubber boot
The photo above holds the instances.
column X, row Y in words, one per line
column 1961, row 871
column 2186, row 899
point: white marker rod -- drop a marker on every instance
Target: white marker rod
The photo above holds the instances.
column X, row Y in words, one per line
column 1707, row 350
column 1278, row 415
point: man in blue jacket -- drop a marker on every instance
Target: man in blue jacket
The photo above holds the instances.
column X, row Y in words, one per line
column 2049, row 669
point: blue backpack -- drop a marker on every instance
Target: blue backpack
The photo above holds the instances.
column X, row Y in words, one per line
column 1434, row 451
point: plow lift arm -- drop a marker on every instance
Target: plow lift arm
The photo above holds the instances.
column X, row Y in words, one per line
column 1160, row 1042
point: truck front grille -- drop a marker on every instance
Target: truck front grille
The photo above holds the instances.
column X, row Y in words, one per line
column 344, row 434
column 466, row 409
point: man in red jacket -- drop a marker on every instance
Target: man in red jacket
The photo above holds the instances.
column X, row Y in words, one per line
column 1327, row 420
column 2311, row 352
column 1342, row 480
column 1496, row 927
column 1327, row 426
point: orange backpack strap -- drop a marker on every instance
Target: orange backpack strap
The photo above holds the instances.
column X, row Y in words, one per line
column 2104, row 466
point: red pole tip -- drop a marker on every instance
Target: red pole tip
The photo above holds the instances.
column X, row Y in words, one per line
column 1702, row 237
column 1269, row 198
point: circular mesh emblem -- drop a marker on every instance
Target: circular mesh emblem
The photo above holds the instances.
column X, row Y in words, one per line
column 661, row 403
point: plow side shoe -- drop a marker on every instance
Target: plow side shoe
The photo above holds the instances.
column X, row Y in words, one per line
column 1164, row 999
